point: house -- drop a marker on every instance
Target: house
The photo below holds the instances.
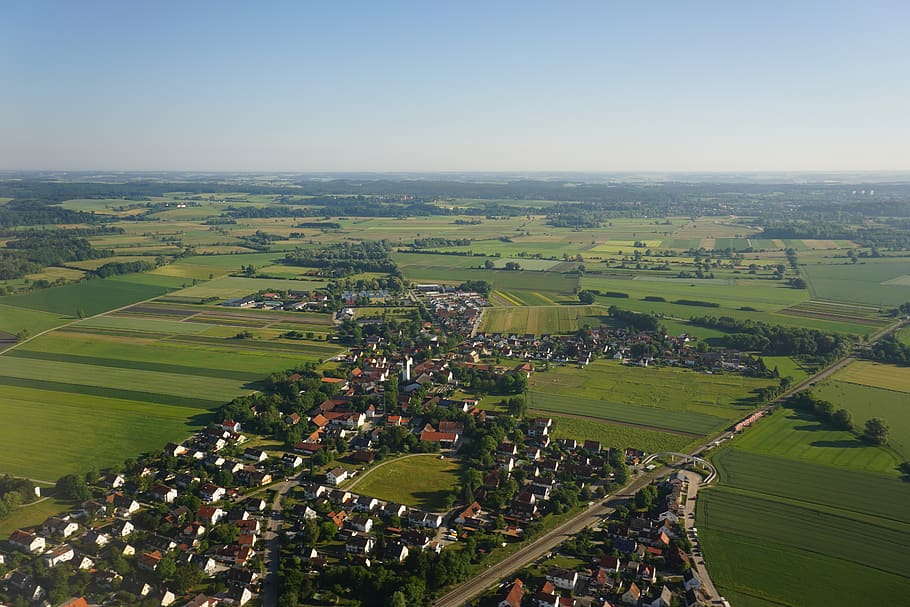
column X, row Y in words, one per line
column 691, row 599
column 236, row 555
column 255, row 504
column 663, row 599
column 365, row 504
column 61, row 527
column 60, row 554
column 122, row 528
column 690, row 580
column 26, row 541
column 163, row 493
column 230, row 426
column 291, row 460
column 210, row 492
column 396, row 551
column 75, row 602
column 610, row 563
column 360, row 544
column 95, row 537
column 563, row 579
column 632, row 595
column 113, row 481
column 292, row 419
column 470, row 512
column 123, row 505
column 542, row 598
column 149, row 561
column 336, row 476
column 85, row 563
column 257, row 455
column 210, row 515
column 446, row 440
column 514, row 595
column 202, row 600
column 360, row 523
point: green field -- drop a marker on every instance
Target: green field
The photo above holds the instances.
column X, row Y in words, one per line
column 422, row 481
column 878, row 282
column 14, row 319
column 805, row 516
column 876, row 375
column 666, row 398
column 91, row 297
column 615, row 435
column 864, row 402
column 56, row 433
column 540, row 320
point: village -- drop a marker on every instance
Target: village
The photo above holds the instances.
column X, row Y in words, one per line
column 200, row 515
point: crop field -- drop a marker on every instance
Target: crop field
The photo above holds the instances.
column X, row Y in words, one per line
column 60, row 432
column 839, row 312
column 14, row 319
column 819, row 501
column 865, row 401
column 794, row 435
column 421, row 480
column 91, row 297
column 540, row 320
column 229, row 287
column 667, row 398
column 874, row 281
column 877, row 375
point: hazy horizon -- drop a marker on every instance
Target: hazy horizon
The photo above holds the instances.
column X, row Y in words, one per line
column 473, row 88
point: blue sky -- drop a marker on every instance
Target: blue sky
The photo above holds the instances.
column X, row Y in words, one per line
column 511, row 86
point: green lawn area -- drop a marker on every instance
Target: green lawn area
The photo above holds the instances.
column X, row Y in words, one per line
column 32, row 514
column 56, row 433
column 422, row 481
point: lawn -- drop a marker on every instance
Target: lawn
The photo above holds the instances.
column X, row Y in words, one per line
column 864, row 402
column 422, row 481
column 33, row 514
column 56, row 433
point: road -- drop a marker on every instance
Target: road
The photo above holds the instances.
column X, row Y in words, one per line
column 698, row 561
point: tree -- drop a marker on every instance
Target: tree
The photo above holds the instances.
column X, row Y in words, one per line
column 72, row 486
column 518, row 406
column 398, row 600
column 586, row 297
column 876, row 431
column 842, row 419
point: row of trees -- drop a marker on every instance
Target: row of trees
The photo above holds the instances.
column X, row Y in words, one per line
column 875, row 431
column 777, row 340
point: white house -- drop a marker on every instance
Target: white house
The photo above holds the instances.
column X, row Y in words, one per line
column 564, row 579
column 336, row 476
column 60, row 554
column 26, row 541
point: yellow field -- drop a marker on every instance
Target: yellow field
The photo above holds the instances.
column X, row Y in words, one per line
column 877, row 375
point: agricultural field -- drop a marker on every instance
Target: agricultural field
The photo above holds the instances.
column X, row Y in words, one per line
column 880, row 282
column 90, row 297
column 61, row 432
column 616, row 435
column 662, row 398
column 876, row 375
column 839, row 312
column 867, row 401
column 421, row 480
column 818, row 501
column 539, row 320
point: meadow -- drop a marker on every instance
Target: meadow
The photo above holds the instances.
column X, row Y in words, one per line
column 878, row 281
column 422, row 481
column 876, row 375
column 89, row 297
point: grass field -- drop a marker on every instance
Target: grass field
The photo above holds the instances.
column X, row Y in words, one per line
column 540, row 320
column 864, row 402
column 666, row 398
column 805, row 516
column 14, row 319
column 422, row 481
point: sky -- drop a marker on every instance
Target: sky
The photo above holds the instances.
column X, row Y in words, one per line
column 455, row 86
